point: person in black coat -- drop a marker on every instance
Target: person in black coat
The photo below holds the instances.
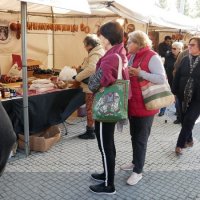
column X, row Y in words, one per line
column 7, row 138
column 186, row 86
column 170, row 59
column 165, row 47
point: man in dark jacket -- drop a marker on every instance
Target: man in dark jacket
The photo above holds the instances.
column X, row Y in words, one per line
column 169, row 67
column 165, row 46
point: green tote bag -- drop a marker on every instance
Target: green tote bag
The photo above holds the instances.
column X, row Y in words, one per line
column 111, row 104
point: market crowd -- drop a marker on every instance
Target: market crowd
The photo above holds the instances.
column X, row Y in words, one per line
column 172, row 64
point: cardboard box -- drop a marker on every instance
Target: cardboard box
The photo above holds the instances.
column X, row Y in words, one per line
column 41, row 141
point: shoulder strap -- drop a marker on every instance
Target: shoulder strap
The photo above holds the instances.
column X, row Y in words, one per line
column 119, row 74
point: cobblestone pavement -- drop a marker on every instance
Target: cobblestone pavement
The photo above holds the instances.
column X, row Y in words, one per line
column 64, row 171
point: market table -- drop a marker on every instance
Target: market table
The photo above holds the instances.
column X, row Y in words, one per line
column 44, row 109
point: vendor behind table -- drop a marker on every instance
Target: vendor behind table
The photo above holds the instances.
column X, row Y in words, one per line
column 95, row 52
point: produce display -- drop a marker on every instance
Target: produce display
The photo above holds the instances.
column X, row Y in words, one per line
column 43, row 71
column 8, row 79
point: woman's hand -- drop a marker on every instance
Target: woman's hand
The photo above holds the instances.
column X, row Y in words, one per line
column 61, row 84
column 101, row 89
column 134, row 71
column 77, row 68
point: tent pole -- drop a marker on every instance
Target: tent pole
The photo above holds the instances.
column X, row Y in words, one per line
column 147, row 28
column 53, row 38
column 24, row 75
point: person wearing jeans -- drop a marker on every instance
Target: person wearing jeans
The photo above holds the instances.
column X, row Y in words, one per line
column 143, row 64
column 140, row 129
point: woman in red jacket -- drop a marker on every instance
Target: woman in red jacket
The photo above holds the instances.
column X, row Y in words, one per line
column 143, row 63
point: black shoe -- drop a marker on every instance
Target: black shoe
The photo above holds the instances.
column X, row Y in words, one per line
column 98, row 177
column 161, row 114
column 102, row 189
column 87, row 136
column 177, row 121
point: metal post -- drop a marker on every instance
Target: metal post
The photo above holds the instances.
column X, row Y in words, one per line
column 53, row 37
column 24, row 75
column 147, row 28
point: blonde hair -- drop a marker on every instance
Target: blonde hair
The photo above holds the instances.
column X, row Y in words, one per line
column 140, row 38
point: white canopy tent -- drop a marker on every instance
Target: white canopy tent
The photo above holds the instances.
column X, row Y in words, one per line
column 40, row 6
column 152, row 15
column 133, row 10
column 75, row 8
column 16, row 6
column 125, row 8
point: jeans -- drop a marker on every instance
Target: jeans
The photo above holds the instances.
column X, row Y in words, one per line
column 140, row 128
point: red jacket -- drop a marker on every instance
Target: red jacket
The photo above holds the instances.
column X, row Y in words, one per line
column 109, row 65
column 136, row 104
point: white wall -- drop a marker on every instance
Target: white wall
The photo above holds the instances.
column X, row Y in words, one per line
column 68, row 47
column 37, row 43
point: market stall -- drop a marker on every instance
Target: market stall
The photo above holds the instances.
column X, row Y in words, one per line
column 44, row 109
column 54, row 36
column 60, row 4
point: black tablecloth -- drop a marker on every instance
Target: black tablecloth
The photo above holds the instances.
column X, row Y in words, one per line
column 44, row 110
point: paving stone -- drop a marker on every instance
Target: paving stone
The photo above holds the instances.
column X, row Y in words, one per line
column 64, row 171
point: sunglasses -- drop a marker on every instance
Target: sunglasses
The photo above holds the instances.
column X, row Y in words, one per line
column 191, row 45
column 174, row 48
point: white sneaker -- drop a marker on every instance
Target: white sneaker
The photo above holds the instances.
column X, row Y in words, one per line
column 134, row 178
column 127, row 167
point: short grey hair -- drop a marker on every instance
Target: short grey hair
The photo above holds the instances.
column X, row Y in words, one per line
column 91, row 39
column 140, row 38
column 178, row 45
